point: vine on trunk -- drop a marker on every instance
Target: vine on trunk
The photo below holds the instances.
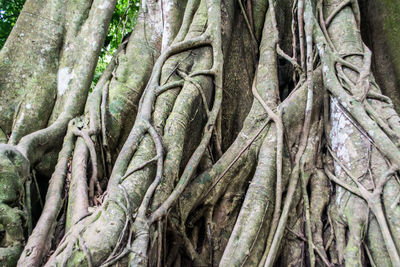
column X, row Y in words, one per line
column 305, row 172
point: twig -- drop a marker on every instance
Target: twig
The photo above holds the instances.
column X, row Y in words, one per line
column 141, row 166
column 168, row 86
column 37, row 188
column 363, row 80
column 300, row 19
column 306, row 204
column 286, row 56
column 86, row 251
column 103, row 111
column 248, row 23
column 28, row 205
column 294, row 35
column 371, row 259
column 322, row 256
column 160, row 243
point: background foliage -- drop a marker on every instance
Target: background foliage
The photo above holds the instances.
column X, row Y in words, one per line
column 9, row 11
column 122, row 23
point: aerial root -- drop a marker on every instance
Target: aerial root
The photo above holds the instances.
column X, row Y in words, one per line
column 374, row 202
column 93, row 158
column 248, row 22
column 35, row 248
column 336, row 11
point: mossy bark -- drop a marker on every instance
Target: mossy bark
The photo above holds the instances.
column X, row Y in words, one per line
column 222, row 133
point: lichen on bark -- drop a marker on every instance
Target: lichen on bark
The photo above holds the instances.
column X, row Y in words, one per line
column 225, row 133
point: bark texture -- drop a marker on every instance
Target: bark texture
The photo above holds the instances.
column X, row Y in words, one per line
column 222, row 133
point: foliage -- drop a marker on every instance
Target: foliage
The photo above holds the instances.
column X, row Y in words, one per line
column 9, row 11
column 122, row 23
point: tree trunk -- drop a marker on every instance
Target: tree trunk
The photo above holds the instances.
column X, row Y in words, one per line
column 222, row 133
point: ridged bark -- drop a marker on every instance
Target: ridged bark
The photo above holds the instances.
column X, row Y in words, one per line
column 222, row 133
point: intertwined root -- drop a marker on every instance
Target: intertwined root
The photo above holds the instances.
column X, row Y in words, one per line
column 311, row 177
